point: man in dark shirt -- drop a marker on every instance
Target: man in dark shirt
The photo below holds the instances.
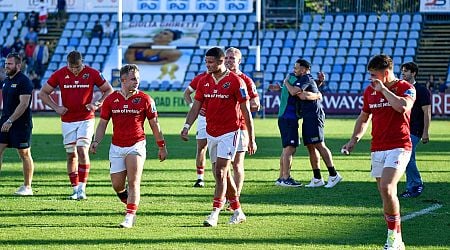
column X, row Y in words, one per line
column 419, row 125
column 16, row 123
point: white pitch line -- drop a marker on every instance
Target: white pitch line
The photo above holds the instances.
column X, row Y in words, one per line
column 421, row 212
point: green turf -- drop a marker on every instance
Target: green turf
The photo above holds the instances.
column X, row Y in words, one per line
column 171, row 213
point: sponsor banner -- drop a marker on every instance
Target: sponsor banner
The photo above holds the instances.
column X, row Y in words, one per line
column 435, row 6
column 334, row 104
column 133, row 6
column 351, row 104
column 165, row 65
column 169, row 101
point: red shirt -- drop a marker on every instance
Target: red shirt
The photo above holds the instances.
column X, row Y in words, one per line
column 128, row 116
column 222, row 99
column 252, row 93
column 193, row 85
column 76, row 91
column 390, row 129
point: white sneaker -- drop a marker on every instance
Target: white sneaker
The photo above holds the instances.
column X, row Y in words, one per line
column 81, row 194
column 74, row 195
column 24, row 191
column 237, row 217
column 394, row 241
column 315, row 183
column 211, row 220
column 130, row 220
column 333, row 180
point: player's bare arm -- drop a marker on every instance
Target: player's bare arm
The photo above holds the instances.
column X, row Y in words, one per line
column 255, row 104
column 159, row 137
column 310, row 96
column 99, row 134
column 106, row 90
column 190, row 119
column 398, row 103
column 187, row 96
column 293, row 90
column 44, row 94
column 426, row 123
column 361, row 125
column 18, row 112
column 245, row 109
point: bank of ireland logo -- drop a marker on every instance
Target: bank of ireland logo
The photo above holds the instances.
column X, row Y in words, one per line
column 148, row 4
column 177, row 4
column 207, row 5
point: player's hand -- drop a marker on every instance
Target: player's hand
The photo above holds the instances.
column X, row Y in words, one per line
column 349, row 146
column 162, row 153
column 91, row 107
column 93, row 147
column 252, row 147
column 184, row 134
column 425, row 138
column 61, row 110
column 377, row 85
column 6, row 126
column 320, row 78
column 274, row 87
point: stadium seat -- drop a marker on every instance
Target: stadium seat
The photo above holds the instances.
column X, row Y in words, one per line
column 360, row 68
column 348, row 26
column 102, row 50
column 381, row 27
column 332, row 86
column 414, row 35
column 393, row 27
column 384, row 18
column 412, row 43
column 410, row 52
column 376, row 51
column 415, row 26
column 355, row 87
column 370, row 27
column 349, row 68
column 395, row 18
column 339, row 19
column 344, row 87
column 417, row 18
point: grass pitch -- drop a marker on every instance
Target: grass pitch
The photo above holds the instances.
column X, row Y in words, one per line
column 171, row 212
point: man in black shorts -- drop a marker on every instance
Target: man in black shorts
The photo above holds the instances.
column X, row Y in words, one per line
column 16, row 123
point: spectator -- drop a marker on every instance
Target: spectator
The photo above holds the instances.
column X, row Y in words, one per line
column 419, row 125
column 33, row 20
column 40, row 57
column 35, row 79
column 29, row 51
column 43, row 15
column 108, row 29
column 32, row 35
column 97, row 31
column 442, row 86
column 18, row 45
column 8, row 48
column 61, row 11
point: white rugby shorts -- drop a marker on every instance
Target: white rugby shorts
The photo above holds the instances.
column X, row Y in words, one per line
column 118, row 154
column 201, row 127
column 397, row 158
column 243, row 141
column 73, row 132
column 223, row 146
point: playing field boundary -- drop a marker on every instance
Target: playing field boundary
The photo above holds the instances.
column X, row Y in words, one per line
column 421, row 212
